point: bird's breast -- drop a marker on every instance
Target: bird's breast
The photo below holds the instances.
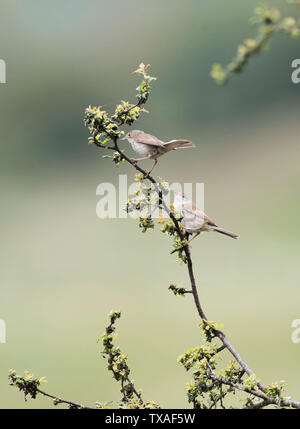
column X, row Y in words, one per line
column 143, row 149
column 192, row 221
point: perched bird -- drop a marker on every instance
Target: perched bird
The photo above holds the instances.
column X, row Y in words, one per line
column 151, row 147
column 194, row 220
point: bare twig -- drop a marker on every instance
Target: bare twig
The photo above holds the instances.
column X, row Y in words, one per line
column 268, row 400
column 63, row 401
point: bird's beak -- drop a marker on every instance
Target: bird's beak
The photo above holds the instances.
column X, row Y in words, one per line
column 124, row 138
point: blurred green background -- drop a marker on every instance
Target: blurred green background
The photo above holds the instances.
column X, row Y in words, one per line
column 63, row 269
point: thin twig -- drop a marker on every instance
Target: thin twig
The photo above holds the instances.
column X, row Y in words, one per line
column 63, row 401
column 269, row 400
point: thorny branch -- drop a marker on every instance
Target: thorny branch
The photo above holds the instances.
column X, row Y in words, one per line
column 260, row 390
column 202, row 359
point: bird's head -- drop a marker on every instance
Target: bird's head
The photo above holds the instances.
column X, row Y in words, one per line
column 132, row 134
column 179, row 201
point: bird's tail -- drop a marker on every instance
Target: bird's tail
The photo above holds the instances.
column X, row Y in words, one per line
column 223, row 231
column 178, row 144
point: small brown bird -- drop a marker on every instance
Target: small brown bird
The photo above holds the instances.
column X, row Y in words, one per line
column 151, row 147
column 194, row 220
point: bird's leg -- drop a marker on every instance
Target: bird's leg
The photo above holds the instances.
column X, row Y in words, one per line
column 135, row 160
column 149, row 172
column 188, row 243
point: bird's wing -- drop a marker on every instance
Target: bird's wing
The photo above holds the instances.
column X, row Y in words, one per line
column 209, row 221
column 190, row 212
column 149, row 140
column 200, row 213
